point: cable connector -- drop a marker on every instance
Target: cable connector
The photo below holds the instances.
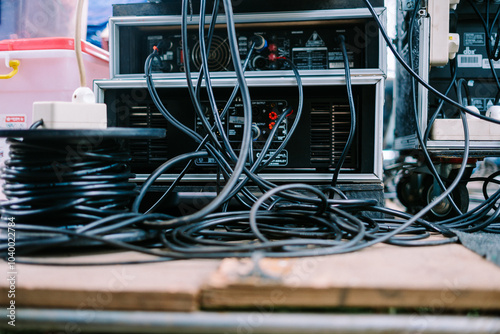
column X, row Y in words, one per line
column 493, row 112
column 339, row 39
column 260, row 42
column 83, row 95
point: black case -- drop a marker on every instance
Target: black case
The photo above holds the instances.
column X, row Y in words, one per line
column 173, row 7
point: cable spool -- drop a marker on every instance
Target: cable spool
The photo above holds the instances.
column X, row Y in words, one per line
column 68, row 177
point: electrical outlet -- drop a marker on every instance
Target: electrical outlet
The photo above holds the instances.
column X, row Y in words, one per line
column 444, row 45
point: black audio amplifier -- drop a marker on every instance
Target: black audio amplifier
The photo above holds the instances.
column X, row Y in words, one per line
column 313, row 150
column 309, row 47
column 309, row 39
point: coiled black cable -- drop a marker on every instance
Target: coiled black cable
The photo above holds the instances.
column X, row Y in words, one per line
column 62, row 183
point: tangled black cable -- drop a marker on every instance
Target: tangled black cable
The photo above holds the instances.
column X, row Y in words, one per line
column 312, row 226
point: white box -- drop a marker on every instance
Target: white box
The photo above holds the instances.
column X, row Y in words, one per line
column 70, row 115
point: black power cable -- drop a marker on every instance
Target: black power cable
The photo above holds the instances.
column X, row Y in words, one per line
column 223, row 114
column 453, row 67
column 352, row 109
column 421, row 141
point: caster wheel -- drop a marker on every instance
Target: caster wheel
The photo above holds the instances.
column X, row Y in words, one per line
column 444, row 209
column 409, row 193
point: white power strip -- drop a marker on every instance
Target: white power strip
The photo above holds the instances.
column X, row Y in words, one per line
column 444, row 45
column 82, row 113
column 452, row 129
column 69, row 115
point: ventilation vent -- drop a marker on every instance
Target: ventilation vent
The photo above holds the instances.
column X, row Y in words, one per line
column 219, row 58
column 330, row 125
column 147, row 150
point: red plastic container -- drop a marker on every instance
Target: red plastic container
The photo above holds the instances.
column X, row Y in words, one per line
column 48, row 71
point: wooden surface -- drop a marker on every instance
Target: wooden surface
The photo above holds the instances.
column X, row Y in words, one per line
column 166, row 286
column 442, row 277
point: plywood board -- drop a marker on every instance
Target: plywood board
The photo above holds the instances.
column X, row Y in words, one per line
column 165, row 286
column 443, row 277
column 440, row 277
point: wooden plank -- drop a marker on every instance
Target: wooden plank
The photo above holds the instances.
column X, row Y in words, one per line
column 165, row 286
column 442, row 277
